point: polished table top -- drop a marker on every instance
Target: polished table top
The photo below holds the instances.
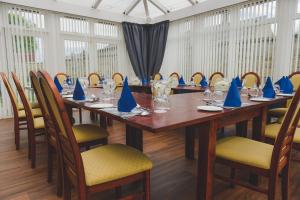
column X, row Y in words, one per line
column 183, row 110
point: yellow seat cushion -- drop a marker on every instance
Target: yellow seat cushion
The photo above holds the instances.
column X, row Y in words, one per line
column 245, row 151
column 39, row 123
column 33, row 105
column 112, row 162
column 88, row 132
column 273, row 129
column 36, row 113
column 278, row 112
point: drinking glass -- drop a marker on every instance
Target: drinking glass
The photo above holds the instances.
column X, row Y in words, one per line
column 218, row 97
column 277, row 88
column 254, row 91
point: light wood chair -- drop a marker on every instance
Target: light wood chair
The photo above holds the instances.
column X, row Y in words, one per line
column 281, row 111
column 86, row 135
column 102, row 168
column 157, row 77
column 261, row 158
column 251, row 79
column 175, row 75
column 118, row 78
column 35, row 125
column 197, row 77
column 215, row 77
column 62, row 77
column 20, row 120
column 94, row 79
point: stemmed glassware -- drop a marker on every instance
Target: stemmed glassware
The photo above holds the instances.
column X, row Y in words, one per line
column 277, row 88
column 109, row 87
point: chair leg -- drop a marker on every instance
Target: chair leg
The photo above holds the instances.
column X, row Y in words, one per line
column 232, row 176
column 147, row 185
column 118, row 192
column 67, row 187
column 50, row 163
column 32, row 148
column 285, row 183
column 59, row 177
column 80, row 116
column 272, row 187
column 17, row 134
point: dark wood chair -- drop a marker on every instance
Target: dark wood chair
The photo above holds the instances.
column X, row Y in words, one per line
column 261, row 158
column 35, row 125
column 86, row 135
column 175, row 75
column 62, row 77
column 94, row 79
column 250, row 79
column 102, row 168
column 157, row 77
column 118, row 78
column 215, row 77
column 197, row 77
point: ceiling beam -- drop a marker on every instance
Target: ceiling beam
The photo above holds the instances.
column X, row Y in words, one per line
column 96, row 4
column 193, row 2
column 161, row 7
column 146, row 8
column 132, row 5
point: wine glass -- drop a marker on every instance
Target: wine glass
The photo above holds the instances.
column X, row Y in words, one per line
column 277, row 88
column 218, row 97
column 254, row 91
column 207, row 96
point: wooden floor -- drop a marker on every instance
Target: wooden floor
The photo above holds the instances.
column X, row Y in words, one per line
column 173, row 177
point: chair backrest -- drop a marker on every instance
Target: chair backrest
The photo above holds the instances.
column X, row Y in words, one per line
column 157, row 77
column 251, row 78
column 175, row 75
column 67, row 145
column 284, row 140
column 11, row 94
column 42, row 102
column 94, row 79
column 215, row 77
column 118, row 78
column 295, row 79
column 197, row 77
column 25, row 101
column 61, row 77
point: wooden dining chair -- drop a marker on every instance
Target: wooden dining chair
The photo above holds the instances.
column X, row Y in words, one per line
column 250, row 79
column 157, row 77
column 118, row 78
column 20, row 120
column 261, row 158
column 102, row 168
column 35, row 125
column 86, row 135
column 94, row 79
column 197, row 77
column 62, row 77
column 175, row 75
column 215, row 77
column 281, row 111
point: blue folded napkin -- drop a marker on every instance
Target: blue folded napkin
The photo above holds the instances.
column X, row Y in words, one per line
column 78, row 92
column 161, row 77
column 238, row 82
column 268, row 90
column 203, row 82
column 233, row 98
column 144, row 81
column 126, row 102
column 58, row 85
column 68, row 80
column 280, row 82
column 288, row 86
column 181, row 81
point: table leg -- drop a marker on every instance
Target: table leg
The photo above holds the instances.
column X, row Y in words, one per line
column 259, row 125
column 190, row 142
column 241, row 129
column 134, row 137
column 69, row 109
column 103, row 121
column 206, row 158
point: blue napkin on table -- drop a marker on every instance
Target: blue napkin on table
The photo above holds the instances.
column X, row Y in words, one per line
column 126, row 102
column 161, row 77
column 268, row 90
column 280, row 82
column 233, row 98
column 238, row 82
column 58, row 85
column 78, row 92
column 288, row 86
column 144, row 81
column 181, row 81
column 203, row 82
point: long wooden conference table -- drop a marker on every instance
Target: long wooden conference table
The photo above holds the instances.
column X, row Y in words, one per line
column 183, row 113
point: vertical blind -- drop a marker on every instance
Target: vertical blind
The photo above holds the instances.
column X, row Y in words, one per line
column 33, row 39
column 232, row 40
